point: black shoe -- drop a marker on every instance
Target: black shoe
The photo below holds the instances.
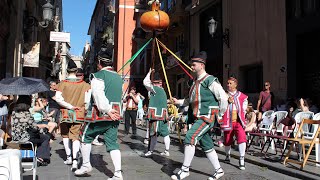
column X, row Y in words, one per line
column 227, row 160
column 41, row 162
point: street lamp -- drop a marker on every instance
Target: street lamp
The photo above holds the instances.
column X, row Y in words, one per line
column 212, row 25
column 47, row 15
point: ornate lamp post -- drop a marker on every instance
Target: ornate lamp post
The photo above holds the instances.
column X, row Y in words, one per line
column 212, row 25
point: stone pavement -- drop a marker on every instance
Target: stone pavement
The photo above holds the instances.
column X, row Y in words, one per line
column 137, row 167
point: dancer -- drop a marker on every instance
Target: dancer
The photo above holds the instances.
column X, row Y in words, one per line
column 70, row 95
column 234, row 121
column 207, row 101
column 157, row 113
column 106, row 87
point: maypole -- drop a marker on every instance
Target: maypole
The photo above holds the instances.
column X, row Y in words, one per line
column 157, row 21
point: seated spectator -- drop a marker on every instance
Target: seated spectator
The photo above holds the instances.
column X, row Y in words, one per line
column 302, row 106
column 289, row 121
column 250, row 118
column 3, row 110
column 41, row 116
column 1, row 138
column 312, row 107
column 25, row 129
column 184, row 117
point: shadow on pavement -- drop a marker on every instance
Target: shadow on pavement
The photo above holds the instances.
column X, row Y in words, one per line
column 98, row 163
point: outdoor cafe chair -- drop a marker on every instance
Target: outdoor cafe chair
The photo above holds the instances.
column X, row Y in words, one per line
column 277, row 131
column 264, row 127
column 28, row 154
column 304, row 137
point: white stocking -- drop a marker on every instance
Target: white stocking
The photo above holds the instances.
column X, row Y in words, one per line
column 116, row 159
column 66, row 144
column 213, row 158
column 75, row 149
column 167, row 142
column 85, row 151
column 189, row 151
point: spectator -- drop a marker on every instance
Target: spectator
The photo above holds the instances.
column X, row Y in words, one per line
column 312, row 106
column 266, row 100
column 25, row 129
column 3, row 110
column 132, row 100
column 41, row 117
column 302, row 106
column 250, row 118
column 53, row 105
column 289, row 121
column 1, row 138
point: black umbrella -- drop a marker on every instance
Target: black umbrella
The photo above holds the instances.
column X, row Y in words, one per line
column 22, row 86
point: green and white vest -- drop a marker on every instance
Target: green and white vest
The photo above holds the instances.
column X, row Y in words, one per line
column 158, row 105
column 113, row 91
column 204, row 104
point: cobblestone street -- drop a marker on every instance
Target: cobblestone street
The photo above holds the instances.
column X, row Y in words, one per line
column 137, row 167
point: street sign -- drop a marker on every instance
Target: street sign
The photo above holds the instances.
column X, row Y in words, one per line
column 59, row 36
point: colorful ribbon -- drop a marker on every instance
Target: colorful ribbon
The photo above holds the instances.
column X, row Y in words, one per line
column 164, row 70
column 174, row 54
column 135, row 55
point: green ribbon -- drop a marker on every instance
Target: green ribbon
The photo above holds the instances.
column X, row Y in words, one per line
column 135, row 55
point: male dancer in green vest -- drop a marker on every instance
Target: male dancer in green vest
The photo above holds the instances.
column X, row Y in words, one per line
column 157, row 113
column 106, row 87
column 207, row 101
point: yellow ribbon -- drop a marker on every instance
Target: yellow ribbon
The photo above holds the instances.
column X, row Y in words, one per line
column 164, row 46
column 169, row 91
column 164, row 71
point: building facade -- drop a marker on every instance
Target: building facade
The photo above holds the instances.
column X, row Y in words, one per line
column 22, row 27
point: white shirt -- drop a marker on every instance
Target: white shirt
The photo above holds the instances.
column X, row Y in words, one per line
column 130, row 103
column 148, row 84
column 218, row 92
column 100, row 99
column 60, row 100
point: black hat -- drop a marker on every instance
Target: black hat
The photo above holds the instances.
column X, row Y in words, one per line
column 201, row 57
column 72, row 66
column 156, row 77
column 105, row 54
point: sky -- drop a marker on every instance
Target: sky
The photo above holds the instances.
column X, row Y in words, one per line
column 76, row 20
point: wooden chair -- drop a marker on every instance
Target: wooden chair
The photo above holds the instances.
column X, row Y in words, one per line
column 304, row 137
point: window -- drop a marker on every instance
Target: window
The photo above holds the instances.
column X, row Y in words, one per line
column 253, row 78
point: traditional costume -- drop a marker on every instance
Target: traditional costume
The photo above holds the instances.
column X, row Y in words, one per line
column 106, row 87
column 72, row 92
column 234, row 124
column 207, row 101
column 157, row 115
